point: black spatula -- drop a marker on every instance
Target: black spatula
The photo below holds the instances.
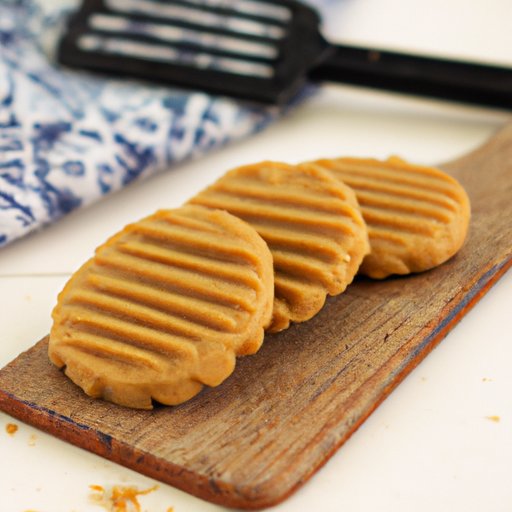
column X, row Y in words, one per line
column 259, row 50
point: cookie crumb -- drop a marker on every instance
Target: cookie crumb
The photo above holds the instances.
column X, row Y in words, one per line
column 119, row 498
column 11, row 428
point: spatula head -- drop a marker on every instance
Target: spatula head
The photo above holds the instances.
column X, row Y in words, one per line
column 258, row 50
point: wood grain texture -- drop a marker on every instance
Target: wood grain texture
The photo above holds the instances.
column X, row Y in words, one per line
column 255, row 439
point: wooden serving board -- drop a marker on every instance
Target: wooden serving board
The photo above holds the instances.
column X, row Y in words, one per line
column 256, row 438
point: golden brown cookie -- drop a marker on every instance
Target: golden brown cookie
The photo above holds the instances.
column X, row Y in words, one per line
column 417, row 216
column 310, row 221
column 164, row 307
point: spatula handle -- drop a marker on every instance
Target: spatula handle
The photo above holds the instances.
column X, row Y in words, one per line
column 426, row 76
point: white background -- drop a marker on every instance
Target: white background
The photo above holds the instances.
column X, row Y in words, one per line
column 431, row 445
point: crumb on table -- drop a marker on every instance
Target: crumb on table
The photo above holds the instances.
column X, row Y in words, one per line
column 119, row 498
column 11, row 428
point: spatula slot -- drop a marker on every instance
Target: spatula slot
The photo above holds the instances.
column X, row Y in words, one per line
column 239, row 17
column 162, row 53
column 257, row 8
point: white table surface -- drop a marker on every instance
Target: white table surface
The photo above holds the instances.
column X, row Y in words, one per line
column 443, row 439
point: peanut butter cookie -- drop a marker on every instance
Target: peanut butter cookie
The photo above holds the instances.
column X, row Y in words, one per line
column 311, row 223
column 164, row 307
column 417, row 216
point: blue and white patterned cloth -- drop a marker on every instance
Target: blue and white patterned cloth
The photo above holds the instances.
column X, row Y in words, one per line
column 68, row 138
